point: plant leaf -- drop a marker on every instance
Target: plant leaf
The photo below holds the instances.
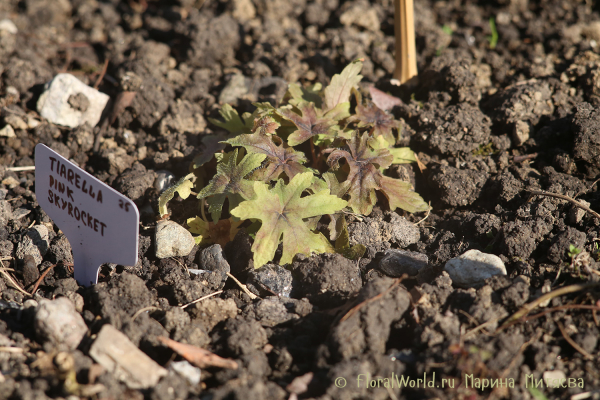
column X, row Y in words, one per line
column 220, row 233
column 310, row 124
column 364, row 166
column 211, row 144
column 296, row 94
column 337, row 189
column 232, row 121
column 383, row 100
column 401, row 195
column 282, row 210
column 229, row 182
column 342, row 243
column 183, row 187
column 341, row 85
column 365, row 177
column 381, row 123
column 279, row 158
column 403, row 155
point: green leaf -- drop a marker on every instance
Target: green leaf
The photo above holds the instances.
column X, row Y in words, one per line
column 341, row 85
column 310, row 124
column 221, row 233
column 364, row 166
column 296, row 94
column 403, row 155
column 183, row 187
column 342, row 243
column 232, row 121
column 382, row 124
column 401, row 195
column 337, row 189
column 229, row 182
column 279, row 158
column 282, row 210
column 365, row 177
column 211, row 144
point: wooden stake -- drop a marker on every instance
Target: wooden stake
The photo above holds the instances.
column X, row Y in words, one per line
column 406, row 51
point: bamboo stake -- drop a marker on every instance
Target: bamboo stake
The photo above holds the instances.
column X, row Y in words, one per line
column 406, row 51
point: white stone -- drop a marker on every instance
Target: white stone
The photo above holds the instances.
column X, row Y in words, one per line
column 8, row 26
column 173, row 240
column 54, row 106
column 58, row 322
column 115, row 352
column 7, row 131
column 472, row 268
column 191, row 373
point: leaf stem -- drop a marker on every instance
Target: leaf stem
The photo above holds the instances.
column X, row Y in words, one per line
column 314, row 152
column 202, row 204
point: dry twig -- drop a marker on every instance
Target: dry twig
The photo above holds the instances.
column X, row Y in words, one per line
column 199, row 357
column 567, row 198
column 244, row 288
column 202, row 298
column 527, row 308
column 11, row 280
column 572, row 342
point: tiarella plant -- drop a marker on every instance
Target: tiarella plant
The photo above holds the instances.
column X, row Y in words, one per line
column 268, row 181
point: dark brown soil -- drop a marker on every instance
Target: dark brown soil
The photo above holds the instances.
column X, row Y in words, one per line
column 490, row 124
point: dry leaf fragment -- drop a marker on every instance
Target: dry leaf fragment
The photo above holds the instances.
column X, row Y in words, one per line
column 198, row 356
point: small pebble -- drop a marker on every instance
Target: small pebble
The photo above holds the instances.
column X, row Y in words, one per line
column 395, row 263
column 8, row 26
column 173, row 240
column 472, row 268
column 188, row 371
column 211, row 259
column 164, row 179
column 58, row 322
column 7, row 131
column 270, row 280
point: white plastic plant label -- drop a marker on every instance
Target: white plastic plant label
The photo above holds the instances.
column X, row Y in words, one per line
column 101, row 224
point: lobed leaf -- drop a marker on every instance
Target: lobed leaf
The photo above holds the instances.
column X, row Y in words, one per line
column 341, row 85
column 365, row 177
column 382, row 124
column 229, row 182
column 183, row 187
column 310, row 124
column 279, row 158
column 231, row 121
column 342, row 243
column 282, row 210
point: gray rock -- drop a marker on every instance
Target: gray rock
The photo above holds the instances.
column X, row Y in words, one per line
column 211, row 259
column 404, row 232
column 173, row 240
column 69, row 102
column 472, row 268
column 6, row 212
column 118, row 355
column 31, row 273
column 58, row 322
column 236, row 88
column 395, row 263
column 270, row 279
column 35, row 243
